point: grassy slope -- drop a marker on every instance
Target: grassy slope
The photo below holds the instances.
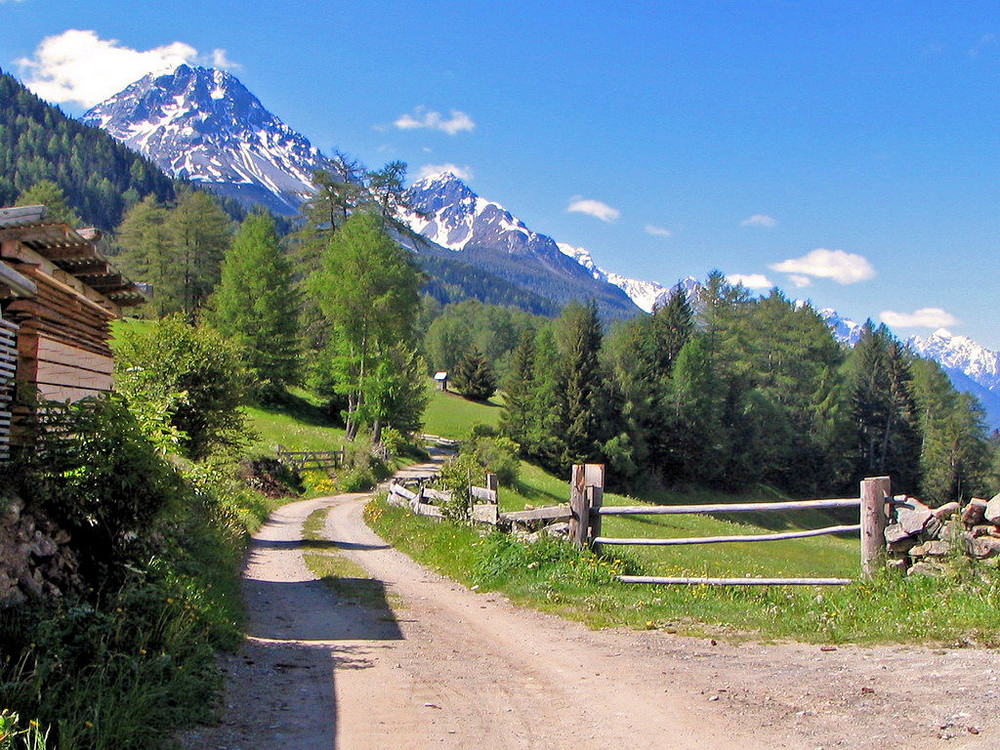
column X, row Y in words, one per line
column 299, row 422
column 450, row 415
column 581, row 586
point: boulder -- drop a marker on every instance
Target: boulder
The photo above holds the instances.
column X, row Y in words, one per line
column 935, row 548
column 902, row 546
column 896, row 534
column 946, row 511
column 933, row 529
column 973, row 513
column 913, row 516
column 984, row 547
column 992, row 512
column 924, row 568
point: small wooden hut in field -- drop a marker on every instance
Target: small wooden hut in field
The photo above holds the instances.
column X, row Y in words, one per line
column 58, row 295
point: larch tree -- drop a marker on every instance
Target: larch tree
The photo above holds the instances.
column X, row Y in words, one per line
column 199, row 234
column 47, row 193
column 368, row 289
column 255, row 304
column 146, row 254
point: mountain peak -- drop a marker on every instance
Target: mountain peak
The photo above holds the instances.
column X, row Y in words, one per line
column 204, row 125
column 445, row 177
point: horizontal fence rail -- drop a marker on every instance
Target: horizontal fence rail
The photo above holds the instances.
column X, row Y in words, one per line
column 734, row 538
column 737, row 581
column 626, row 510
column 588, row 510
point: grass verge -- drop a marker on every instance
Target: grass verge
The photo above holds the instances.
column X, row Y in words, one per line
column 344, row 577
column 554, row 577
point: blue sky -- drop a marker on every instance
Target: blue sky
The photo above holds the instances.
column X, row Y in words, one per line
column 846, row 152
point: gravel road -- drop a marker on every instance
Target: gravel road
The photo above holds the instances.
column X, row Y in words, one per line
column 446, row 667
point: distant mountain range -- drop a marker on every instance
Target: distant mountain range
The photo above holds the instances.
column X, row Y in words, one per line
column 204, row 125
column 485, row 234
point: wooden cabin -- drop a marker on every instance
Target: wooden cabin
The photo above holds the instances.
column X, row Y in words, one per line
column 58, row 295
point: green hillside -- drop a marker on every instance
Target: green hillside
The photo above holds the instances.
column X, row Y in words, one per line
column 99, row 176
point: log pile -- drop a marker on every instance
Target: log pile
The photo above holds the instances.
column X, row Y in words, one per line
column 35, row 560
column 920, row 539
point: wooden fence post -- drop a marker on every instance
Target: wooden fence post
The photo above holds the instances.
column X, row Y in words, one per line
column 492, row 483
column 594, row 479
column 874, row 493
column 579, row 521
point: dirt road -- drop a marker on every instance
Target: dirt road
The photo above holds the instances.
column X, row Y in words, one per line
column 451, row 668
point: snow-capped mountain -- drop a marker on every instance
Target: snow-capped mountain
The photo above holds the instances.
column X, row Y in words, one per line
column 971, row 367
column 447, row 212
column 844, row 330
column 645, row 294
column 961, row 353
column 204, row 125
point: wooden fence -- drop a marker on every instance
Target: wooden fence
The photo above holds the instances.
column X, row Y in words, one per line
column 302, row 460
column 425, row 501
column 437, row 441
column 586, row 504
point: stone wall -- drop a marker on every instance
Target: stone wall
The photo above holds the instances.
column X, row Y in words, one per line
column 921, row 539
column 35, row 560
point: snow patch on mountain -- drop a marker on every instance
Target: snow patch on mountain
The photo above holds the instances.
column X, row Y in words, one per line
column 960, row 353
column 645, row 294
column 202, row 124
column 844, row 330
column 449, row 214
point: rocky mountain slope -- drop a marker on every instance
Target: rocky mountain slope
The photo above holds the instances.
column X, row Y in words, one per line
column 202, row 124
column 485, row 234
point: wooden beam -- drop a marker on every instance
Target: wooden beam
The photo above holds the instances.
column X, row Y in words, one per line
column 737, row 581
column 736, row 538
column 549, row 513
column 629, row 510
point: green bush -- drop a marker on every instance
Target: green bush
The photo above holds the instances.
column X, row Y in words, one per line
column 184, row 383
column 92, row 470
column 494, row 453
column 361, row 470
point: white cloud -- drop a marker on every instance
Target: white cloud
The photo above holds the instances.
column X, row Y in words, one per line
column 597, row 209
column 78, row 66
column 842, row 267
column 800, row 281
column 433, row 170
column 750, row 280
column 759, row 220
column 658, row 231
column 925, row 317
column 428, row 118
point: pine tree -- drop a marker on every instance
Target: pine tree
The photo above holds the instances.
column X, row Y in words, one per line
column 255, row 304
column 519, row 394
column 580, row 383
column 474, row 376
column 883, row 409
column 954, row 454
